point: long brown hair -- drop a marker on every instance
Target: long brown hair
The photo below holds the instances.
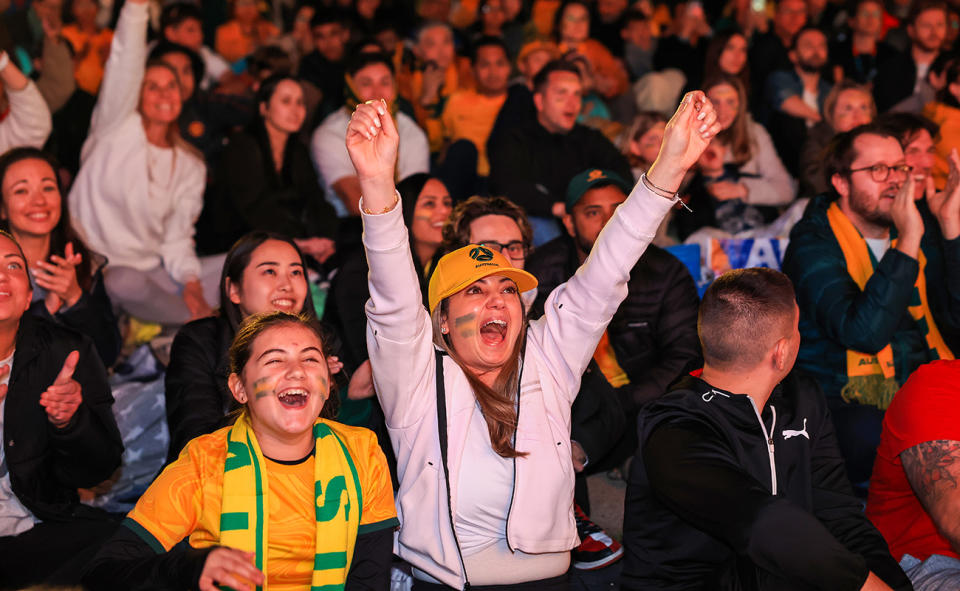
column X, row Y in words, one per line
column 497, row 403
column 737, row 136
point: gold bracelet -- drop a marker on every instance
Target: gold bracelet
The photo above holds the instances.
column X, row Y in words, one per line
column 396, row 200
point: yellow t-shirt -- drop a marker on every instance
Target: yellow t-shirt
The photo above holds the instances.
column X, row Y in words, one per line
column 185, row 500
column 90, row 55
column 469, row 115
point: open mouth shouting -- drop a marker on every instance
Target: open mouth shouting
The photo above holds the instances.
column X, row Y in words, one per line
column 293, row 398
column 493, row 332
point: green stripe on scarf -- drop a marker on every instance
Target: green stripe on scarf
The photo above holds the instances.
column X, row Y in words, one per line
column 244, row 511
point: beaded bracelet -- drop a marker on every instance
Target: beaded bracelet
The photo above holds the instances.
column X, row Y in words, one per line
column 396, row 200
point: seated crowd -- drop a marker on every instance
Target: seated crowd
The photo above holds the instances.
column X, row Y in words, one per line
column 411, row 272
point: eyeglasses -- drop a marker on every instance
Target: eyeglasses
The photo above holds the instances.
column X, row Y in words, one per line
column 515, row 250
column 880, row 172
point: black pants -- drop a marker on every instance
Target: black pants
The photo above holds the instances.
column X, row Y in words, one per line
column 561, row 583
column 50, row 552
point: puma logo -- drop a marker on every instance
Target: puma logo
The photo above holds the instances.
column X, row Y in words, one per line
column 788, row 433
column 708, row 396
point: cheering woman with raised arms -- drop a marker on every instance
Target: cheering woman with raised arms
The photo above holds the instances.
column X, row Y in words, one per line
column 481, row 422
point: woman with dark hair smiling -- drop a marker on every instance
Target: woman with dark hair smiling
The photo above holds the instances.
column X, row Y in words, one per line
column 67, row 277
column 283, row 499
column 263, row 272
column 266, row 181
column 477, row 399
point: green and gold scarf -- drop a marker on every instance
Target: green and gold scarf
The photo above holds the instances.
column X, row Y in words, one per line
column 871, row 379
column 244, row 509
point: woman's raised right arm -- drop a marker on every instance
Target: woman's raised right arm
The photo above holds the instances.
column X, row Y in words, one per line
column 123, row 72
column 399, row 333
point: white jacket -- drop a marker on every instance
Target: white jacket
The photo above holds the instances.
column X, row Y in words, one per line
column 118, row 209
column 559, row 346
column 28, row 123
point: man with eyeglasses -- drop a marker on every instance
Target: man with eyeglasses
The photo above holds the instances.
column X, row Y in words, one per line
column 494, row 222
column 645, row 347
column 877, row 277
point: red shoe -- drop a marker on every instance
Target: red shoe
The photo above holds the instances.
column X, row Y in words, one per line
column 596, row 549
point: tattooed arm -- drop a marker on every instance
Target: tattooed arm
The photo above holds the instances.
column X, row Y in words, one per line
column 933, row 470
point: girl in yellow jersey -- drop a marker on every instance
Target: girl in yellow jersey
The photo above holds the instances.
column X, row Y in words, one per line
column 280, row 500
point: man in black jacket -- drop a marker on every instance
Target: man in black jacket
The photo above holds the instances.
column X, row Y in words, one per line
column 532, row 164
column 903, row 76
column 58, row 432
column 648, row 342
column 740, row 483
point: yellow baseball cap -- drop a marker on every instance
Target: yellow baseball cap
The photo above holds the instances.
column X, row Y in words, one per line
column 458, row 269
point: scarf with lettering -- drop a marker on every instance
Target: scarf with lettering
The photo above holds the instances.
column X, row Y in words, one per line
column 871, row 379
column 244, row 511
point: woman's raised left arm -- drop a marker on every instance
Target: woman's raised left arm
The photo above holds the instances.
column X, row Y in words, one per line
column 578, row 311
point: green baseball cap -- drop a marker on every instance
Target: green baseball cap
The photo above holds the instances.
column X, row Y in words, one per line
column 593, row 178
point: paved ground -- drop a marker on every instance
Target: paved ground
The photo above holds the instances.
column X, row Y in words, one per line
column 606, row 510
column 606, row 503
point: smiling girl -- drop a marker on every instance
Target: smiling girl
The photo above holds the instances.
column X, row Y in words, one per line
column 262, row 273
column 281, row 499
column 67, row 277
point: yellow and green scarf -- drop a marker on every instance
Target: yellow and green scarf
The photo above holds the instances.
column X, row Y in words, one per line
column 871, row 379
column 244, row 509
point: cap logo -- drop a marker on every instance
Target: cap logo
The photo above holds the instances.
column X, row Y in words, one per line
column 595, row 175
column 481, row 254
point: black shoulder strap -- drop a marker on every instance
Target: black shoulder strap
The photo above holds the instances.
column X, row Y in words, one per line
column 442, row 430
column 442, row 412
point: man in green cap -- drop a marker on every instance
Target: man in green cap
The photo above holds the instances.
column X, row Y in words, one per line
column 650, row 339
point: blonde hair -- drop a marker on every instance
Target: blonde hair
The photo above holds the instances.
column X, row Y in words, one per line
column 498, row 403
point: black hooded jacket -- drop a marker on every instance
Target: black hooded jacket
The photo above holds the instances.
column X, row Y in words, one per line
column 726, row 496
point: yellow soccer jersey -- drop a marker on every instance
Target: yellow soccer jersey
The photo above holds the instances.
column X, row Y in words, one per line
column 185, row 501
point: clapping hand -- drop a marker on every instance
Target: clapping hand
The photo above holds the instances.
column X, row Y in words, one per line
column 62, row 399
column 59, row 278
column 687, row 135
column 907, row 219
column 945, row 205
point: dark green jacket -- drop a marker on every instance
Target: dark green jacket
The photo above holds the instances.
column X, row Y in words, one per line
column 835, row 315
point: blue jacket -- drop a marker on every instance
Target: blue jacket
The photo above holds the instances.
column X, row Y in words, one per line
column 835, row 315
